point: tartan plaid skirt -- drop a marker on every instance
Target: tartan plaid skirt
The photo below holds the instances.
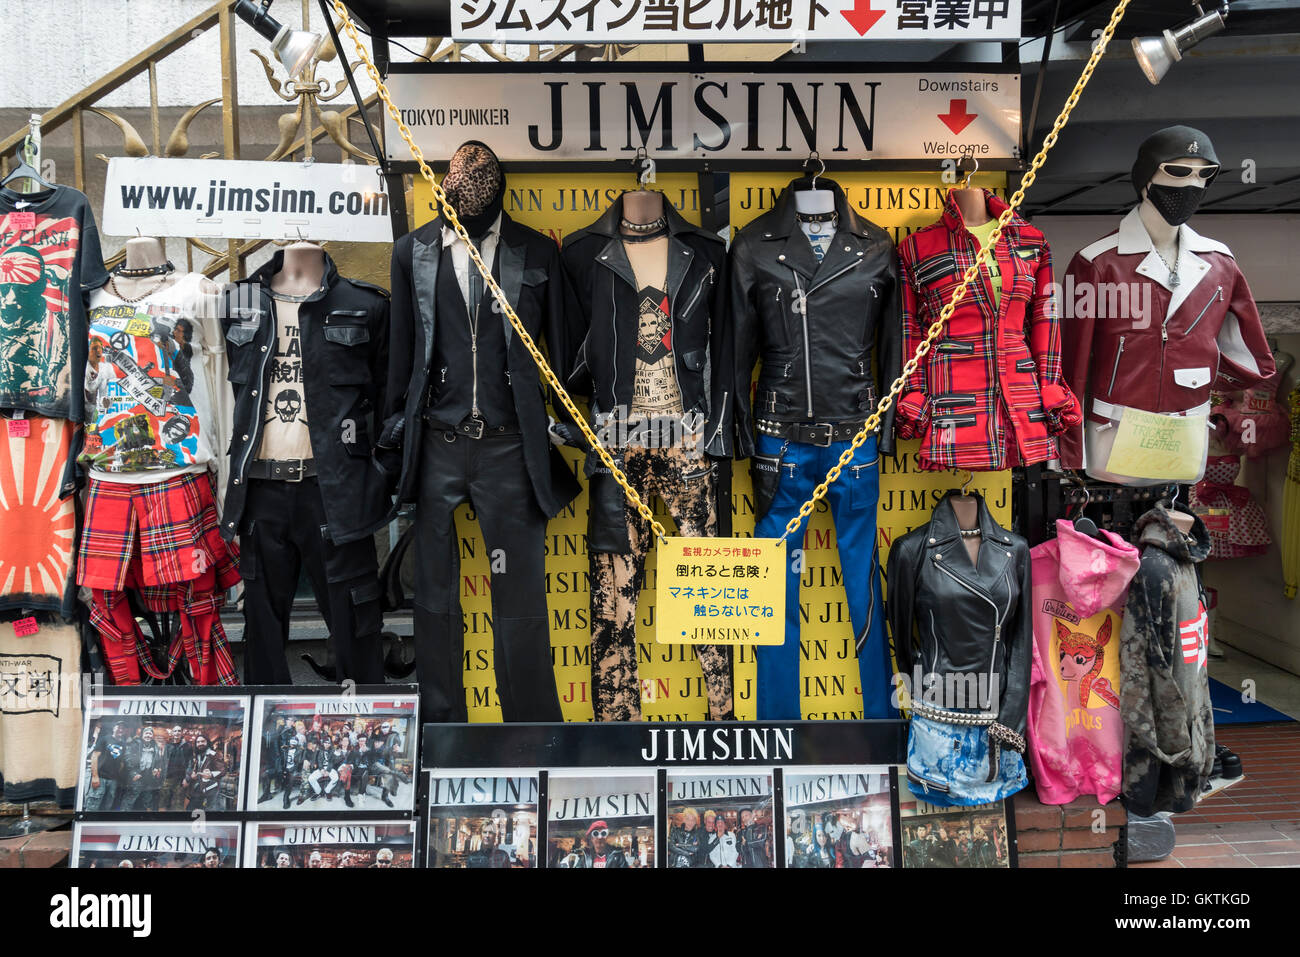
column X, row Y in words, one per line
column 172, row 525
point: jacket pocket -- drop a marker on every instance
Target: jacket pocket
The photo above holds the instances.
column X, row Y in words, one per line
column 1026, row 365
column 765, row 475
column 955, row 347
column 952, row 400
column 347, row 333
column 1114, row 369
column 1192, row 378
column 694, row 360
column 864, row 485
column 239, row 349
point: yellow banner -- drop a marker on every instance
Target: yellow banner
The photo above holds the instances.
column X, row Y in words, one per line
column 721, row 591
column 558, row 204
column 1149, row 445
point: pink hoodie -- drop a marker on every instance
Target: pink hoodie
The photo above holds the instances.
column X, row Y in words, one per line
column 1075, row 732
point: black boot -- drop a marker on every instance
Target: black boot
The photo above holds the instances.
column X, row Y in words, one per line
column 347, row 798
column 383, row 795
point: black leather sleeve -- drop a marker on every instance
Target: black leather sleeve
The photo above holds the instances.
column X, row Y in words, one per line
column 889, row 338
column 379, row 381
column 720, row 429
column 1019, row 636
column 900, row 598
column 401, row 339
column 745, row 331
column 577, row 265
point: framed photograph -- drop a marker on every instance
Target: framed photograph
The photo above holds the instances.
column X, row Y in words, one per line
column 155, row 845
column 327, row 844
column 601, row 819
column 151, row 753
column 486, row 820
column 334, row 753
column 944, row 837
column 839, row 817
column 720, row 819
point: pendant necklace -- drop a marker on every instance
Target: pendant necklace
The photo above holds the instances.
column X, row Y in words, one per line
column 1173, row 270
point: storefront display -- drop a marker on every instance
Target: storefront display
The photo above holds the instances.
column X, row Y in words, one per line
column 1187, row 320
column 800, row 276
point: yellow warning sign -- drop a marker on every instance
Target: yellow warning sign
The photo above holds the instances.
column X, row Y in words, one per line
column 721, row 591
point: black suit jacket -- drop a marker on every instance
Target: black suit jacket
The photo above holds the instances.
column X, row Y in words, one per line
column 528, row 270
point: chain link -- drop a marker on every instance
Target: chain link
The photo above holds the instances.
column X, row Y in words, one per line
column 507, row 310
column 936, row 329
column 909, row 369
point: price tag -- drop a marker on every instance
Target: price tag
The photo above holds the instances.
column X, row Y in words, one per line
column 20, row 428
column 721, row 591
column 26, row 627
column 22, row 220
column 1154, row 446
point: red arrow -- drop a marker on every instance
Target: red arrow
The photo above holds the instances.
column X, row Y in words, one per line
column 957, row 119
column 861, row 17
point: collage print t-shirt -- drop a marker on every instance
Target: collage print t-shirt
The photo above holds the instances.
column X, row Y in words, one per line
column 148, row 411
column 49, row 253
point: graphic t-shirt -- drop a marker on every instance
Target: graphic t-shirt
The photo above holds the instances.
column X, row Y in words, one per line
column 112, row 756
column 819, row 237
column 991, row 270
column 148, row 410
column 284, row 416
column 36, row 526
column 654, row 391
column 49, row 253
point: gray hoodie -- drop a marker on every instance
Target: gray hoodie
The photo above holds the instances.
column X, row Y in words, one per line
column 1164, row 681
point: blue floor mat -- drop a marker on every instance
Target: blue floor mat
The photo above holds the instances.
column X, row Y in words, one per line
column 1230, row 709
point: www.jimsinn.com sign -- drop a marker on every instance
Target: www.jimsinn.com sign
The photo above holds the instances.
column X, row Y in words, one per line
column 716, row 116
column 233, row 199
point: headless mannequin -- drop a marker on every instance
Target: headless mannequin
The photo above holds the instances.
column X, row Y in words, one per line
column 301, row 271
column 143, row 252
column 966, row 509
column 1164, row 237
column 813, row 202
column 973, row 206
column 1182, row 521
column 642, row 206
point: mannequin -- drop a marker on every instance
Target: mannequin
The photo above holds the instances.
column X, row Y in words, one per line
column 974, row 208
column 1190, row 325
column 302, row 269
column 649, row 296
column 966, row 509
column 150, row 440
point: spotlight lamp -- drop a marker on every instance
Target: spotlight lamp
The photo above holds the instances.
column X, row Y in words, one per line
column 1155, row 55
column 293, row 48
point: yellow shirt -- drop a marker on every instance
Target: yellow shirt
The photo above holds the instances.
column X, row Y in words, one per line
column 993, row 272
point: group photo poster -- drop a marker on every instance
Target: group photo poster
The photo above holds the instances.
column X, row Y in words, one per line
column 330, row 844
column 482, row 819
column 162, row 753
column 209, row 845
column 720, row 819
column 840, row 817
column 334, row 753
column 934, row 836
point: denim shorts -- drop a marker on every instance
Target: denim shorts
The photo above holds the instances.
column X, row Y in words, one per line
column 948, row 765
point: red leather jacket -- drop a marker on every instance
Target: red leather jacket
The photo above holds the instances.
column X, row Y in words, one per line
column 989, row 394
column 1131, row 338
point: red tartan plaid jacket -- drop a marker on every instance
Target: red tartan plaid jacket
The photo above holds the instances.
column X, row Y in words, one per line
column 990, row 394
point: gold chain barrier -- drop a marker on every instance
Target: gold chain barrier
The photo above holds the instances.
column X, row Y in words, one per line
column 873, row 421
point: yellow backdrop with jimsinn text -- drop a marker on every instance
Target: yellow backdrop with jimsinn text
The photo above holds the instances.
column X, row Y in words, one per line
column 558, row 204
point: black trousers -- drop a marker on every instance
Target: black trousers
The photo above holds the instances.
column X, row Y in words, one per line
column 488, row 473
column 284, row 530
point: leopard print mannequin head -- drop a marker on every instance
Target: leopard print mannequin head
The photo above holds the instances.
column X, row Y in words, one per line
column 474, row 185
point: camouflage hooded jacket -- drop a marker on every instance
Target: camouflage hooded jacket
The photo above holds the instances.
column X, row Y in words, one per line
column 1164, row 680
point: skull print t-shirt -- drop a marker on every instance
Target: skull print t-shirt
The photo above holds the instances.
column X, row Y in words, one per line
column 655, row 391
column 49, row 254
column 148, row 404
column 284, row 417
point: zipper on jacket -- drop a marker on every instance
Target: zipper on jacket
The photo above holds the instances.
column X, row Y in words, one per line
column 718, row 431
column 699, row 289
column 835, row 275
column 807, row 344
column 998, row 617
column 1115, row 371
column 997, row 637
column 1218, row 295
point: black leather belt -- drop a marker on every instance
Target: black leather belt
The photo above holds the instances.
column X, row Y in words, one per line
column 811, row 433
column 286, row 470
column 470, row 428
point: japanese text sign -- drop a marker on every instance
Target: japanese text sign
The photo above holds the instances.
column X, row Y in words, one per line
column 721, row 591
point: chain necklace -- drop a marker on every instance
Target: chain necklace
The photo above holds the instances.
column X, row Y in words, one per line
column 143, row 272
column 813, row 222
column 1173, row 270
column 112, row 283
column 660, row 223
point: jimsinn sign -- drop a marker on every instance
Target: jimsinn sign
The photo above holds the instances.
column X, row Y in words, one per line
column 756, row 21
column 718, row 116
column 237, row 199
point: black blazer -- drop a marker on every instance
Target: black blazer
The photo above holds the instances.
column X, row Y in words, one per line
column 529, row 272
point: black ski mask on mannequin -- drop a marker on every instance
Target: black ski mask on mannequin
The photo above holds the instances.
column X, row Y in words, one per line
column 1175, row 204
column 475, row 186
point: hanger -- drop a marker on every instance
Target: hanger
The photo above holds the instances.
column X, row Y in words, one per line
column 821, row 163
column 24, row 170
column 965, row 486
column 971, row 175
column 1083, row 523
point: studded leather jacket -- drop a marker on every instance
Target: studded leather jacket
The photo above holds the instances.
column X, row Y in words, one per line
column 969, row 625
column 818, row 327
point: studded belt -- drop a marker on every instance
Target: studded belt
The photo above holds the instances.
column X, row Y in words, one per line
column 810, row 433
